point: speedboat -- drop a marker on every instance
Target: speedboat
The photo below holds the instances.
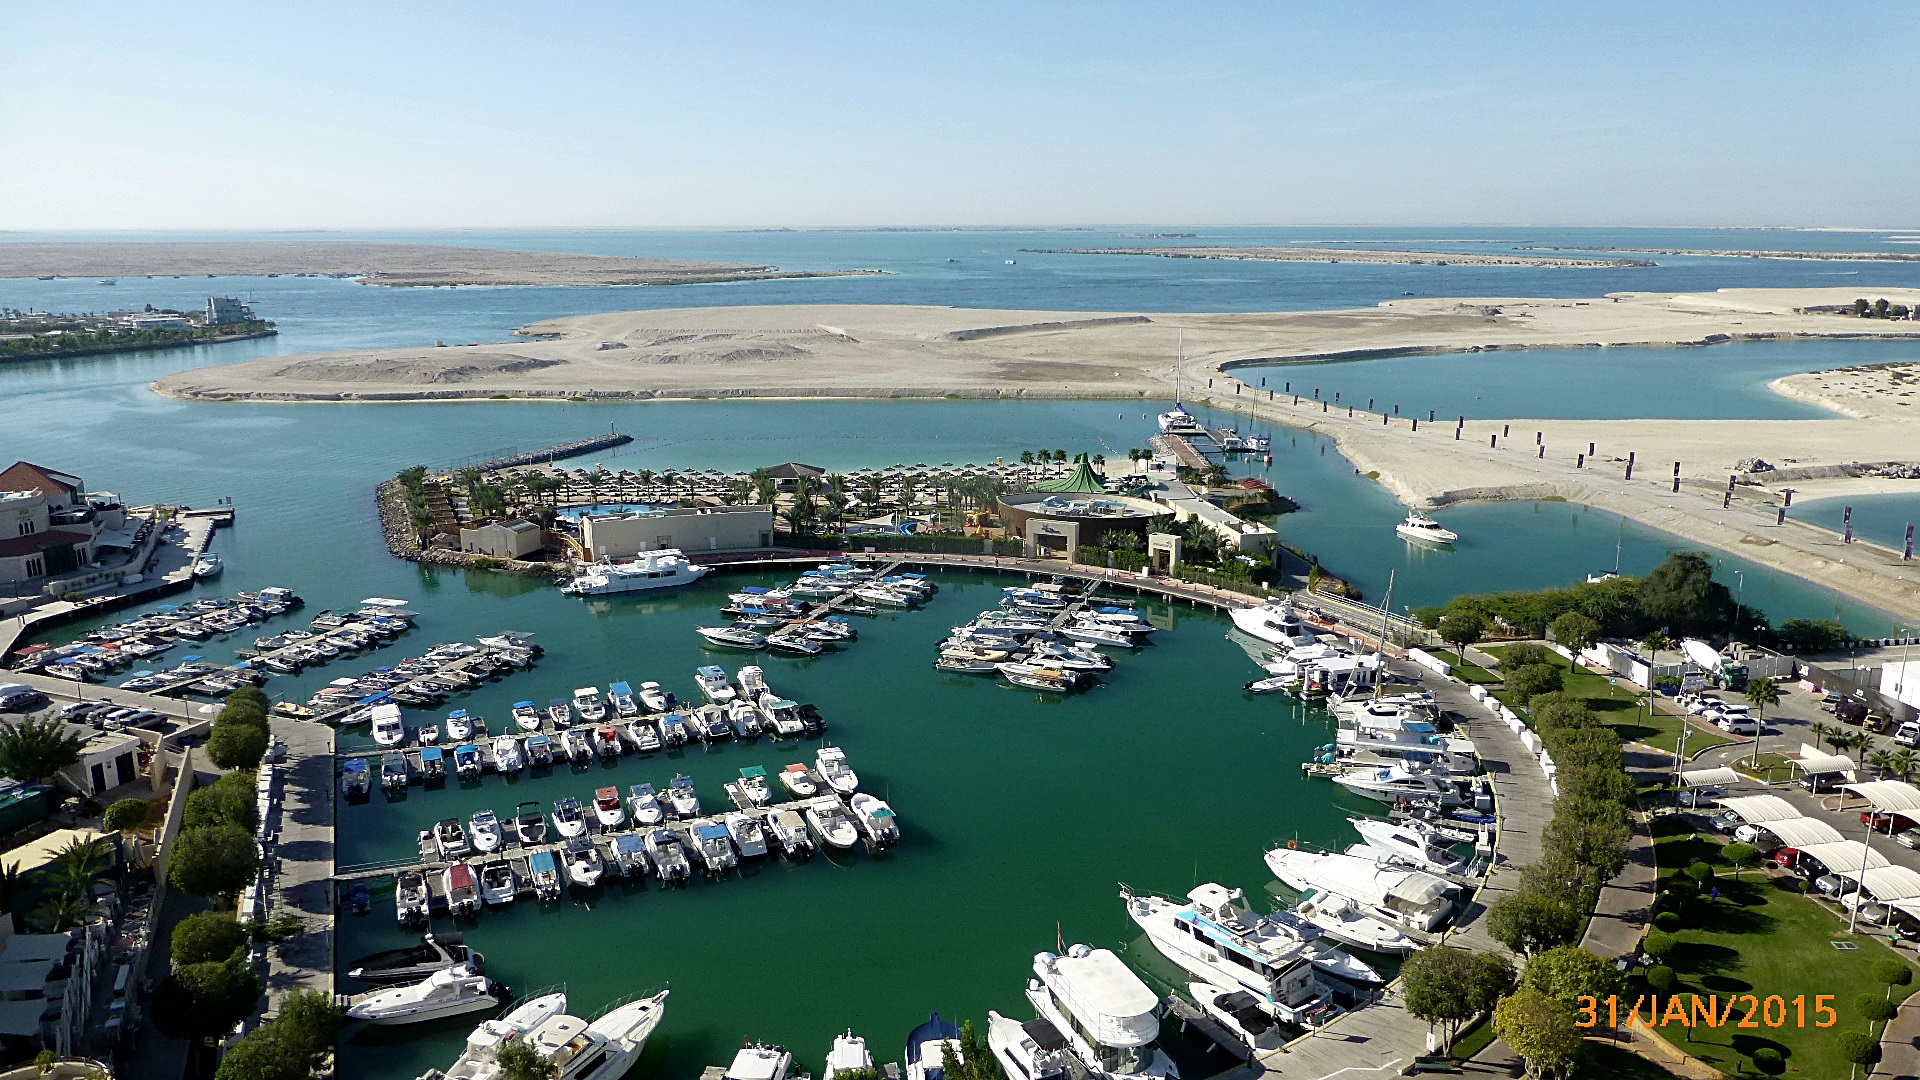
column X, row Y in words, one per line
column 1274, row 622
column 1079, row 657
column 744, row 718
column 653, row 698
column 710, row 723
column 388, row 729
column 529, row 824
column 1406, row 898
column 746, row 834
column 499, row 886
column 1099, row 635
column 681, row 798
column 462, row 889
column 540, row 750
column 485, row 828
column 1239, row 1012
column 753, row 781
column 467, row 761
column 630, row 855
column 606, row 808
column 753, row 682
column 574, row 742
column 643, row 803
column 789, row 830
column 795, row 779
column 433, row 764
column 714, row 846
column 642, row 735
column 731, row 637
column 450, row 839
column 793, row 643
column 543, row 870
column 479, row 1059
column 1341, row 919
column 507, row 758
column 875, row 820
column 559, row 713
column 758, row 1062
column 1216, row 936
column 1420, row 527
column 928, row 1046
column 1039, row 677
column 849, row 1055
column 1034, row 1050
column 207, row 564
column 832, row 763
column 586, row 701
column 1114, row 1016
column 606, row 741
column 714, row 684
column 673, row 729
column 415, row 962
column 620, row 699
column 669, row 858
column 454, row 991
column 568, row 820
column 410, row 897
column 459, row 726
column 584, row 865
column 526, row 716
column 830, row 822
column 780, row 716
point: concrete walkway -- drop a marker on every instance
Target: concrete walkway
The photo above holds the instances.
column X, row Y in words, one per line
column 1900, row 1044
column 300, row 861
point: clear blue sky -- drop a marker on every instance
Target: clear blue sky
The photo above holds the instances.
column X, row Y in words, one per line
column 417, row 114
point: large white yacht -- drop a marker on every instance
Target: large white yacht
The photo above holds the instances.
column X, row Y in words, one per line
column 1420, row 527
column 452, row 991
column 1107, row 1015
column 1392, row 783
column 1034, row 1050
column 664, row 568
column 1407, row 898
column 1405, row 843
column 1216, row 936
column 1178, row 421
column 1274, row 622
column 1389, row 729
column 603, row 1048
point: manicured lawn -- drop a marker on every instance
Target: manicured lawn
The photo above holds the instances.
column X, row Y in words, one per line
column 1603, row 1060
column 1473, row 1040
column 1761, row 938
column 1623, row 710
column 1464, row 670
column 1770, row 767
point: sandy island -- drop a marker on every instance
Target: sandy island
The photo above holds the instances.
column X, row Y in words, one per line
column 369, row 263
column 933, row 352
column 1351, row 255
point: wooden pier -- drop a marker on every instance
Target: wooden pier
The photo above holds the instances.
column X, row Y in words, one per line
column 460, row 664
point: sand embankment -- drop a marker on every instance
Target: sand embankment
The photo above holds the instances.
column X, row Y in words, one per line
column 369, row 263
column 1387, row 256
column 881, row 351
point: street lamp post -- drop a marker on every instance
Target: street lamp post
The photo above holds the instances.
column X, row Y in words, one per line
column 1860, row 892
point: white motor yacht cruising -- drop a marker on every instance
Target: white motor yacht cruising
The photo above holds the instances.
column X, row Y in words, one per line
column 1420, row 527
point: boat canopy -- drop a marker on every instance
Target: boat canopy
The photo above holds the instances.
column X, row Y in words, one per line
column 524, row 705
column 541, row 862
column 1103, row 994
column 628, row 843
column 459, row 876
column 620, row 689
column 756, row 590
column 465, row 749
column 430, row 753
column 710, row 831
column 754, row 772
column 354, row 765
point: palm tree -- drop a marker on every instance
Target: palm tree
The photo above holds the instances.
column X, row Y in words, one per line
column 82, row 863
column 1903, row 763
column 1821, row 730
column 646, row 478
column 1881, row 762
column 1761, row 693
column 65, row 911
column 34, row 750
column 1656, row 643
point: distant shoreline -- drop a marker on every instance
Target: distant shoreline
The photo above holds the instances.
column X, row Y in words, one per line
column 1378, row 256
column 114, row 350
column 368, row 263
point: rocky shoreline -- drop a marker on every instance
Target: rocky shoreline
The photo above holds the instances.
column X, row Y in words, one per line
column 403, row 543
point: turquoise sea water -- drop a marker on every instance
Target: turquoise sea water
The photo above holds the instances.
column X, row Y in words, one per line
column 1020, row 814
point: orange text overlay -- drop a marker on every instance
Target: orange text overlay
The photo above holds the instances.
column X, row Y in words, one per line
column 1712, row 1011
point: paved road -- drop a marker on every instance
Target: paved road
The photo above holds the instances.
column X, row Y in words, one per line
column 300, row 861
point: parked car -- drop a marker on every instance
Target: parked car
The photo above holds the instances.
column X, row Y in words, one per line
column 16, row 698
column 1850, row 711
column 1870, row 912
column 1834, row 885
column 1758, row 837
column 1699, row 704
column 1908, row 735
column 1786, row 858
column 1818, row 784
column 1908, row 838
column 1701, row 797
column 1725, row 821
column 1736, row 724
column 1887, row 822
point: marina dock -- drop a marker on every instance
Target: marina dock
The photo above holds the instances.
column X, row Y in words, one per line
column 456, row 673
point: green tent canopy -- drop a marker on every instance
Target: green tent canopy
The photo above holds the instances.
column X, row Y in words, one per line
column 1082, row 479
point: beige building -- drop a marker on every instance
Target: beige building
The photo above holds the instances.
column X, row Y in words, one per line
column 692, row 529
column 512, row 539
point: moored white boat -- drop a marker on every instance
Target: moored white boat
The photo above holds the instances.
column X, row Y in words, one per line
column 849, row 1055
column 832, row 763
column 829, row 821
column 453, row 991
column 1115, row 1021
column 875, row 820
column 1216, row 936
column 1034, row 1050
column 732, row 637
column 643, row 803
column 568, row 819
column 478, row 1060
column 526, row 716
column 507, row 755
column 607, row 811
column 584, row 865
column 1406, row 898
column 586, row 701
column 662, row 568
column 714, row 684
column 485, row 831
column 795, row 779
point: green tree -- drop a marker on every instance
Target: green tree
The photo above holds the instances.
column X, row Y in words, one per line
column 1681, row 593
column 126, row 815
column 1892, row 971
column 206, row 936
column 64, row 911
column 1026, row 457
column 1540, row 1029
column 1660, row 977
column 1594, row 840
column 1523, row 654
column 1857, row 1048
column 248, row 713
column 1461, row 629
column 1768, row 1061
column 520, row 1061
column 1658, row 945
column 203, row 1000
column 1575, row 631
column 1533, row 680
column 1875, row 1010
column 1529, row 921
column 1568, row 972
column 1740, row 856
column 236, row 746
column 34, row 750
column 1656, row 643
column 1812, row 635
column 971, row 1060
column 229, row 800
column 1447, row 987
column 291, row 1046
column 217, row 860
column 250, row 694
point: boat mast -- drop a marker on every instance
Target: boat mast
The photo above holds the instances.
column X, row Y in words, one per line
column 1386, row 612
column 1179, row 360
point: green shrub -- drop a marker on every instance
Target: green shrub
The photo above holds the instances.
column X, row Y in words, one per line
column 1667, row 920
column 1768, row 1060
column 1523, row 654
column 1660, row 978
column 206, row 936
column 1657, row 945
column 237, row 746
column 1532, row 680
column 127, row 815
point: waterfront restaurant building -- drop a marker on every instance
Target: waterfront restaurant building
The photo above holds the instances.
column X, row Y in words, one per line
column 692, row 529
column 512, row 539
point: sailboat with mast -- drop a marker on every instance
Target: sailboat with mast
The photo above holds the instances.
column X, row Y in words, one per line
column 1177, row 420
